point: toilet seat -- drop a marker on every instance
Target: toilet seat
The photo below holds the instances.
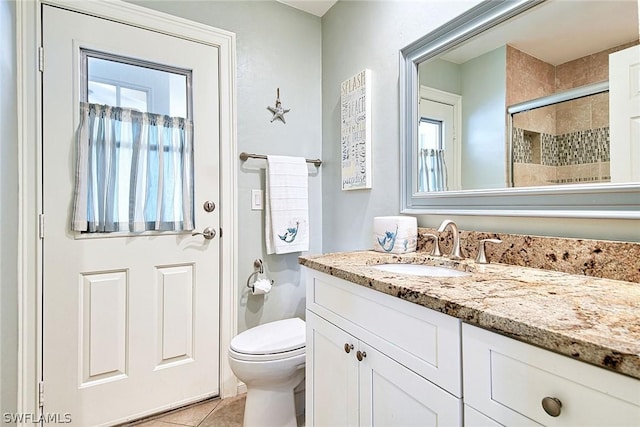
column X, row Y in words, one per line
column 266, row 357
column 271, row 341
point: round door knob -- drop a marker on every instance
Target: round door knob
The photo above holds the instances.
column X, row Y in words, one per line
column 552, row 406
column 361, row 355
column 208, row 233
column 348, row 347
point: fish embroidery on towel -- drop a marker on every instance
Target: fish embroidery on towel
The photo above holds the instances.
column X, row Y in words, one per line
column 389, row 240
column 290, row 235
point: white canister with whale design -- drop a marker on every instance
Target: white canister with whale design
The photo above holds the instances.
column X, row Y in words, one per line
column 395, row 234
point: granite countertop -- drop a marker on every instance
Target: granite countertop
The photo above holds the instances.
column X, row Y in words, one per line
column 591, row 319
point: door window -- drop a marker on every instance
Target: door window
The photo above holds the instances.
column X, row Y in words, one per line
column 139, row 85
column 430, row 134
column 135, row 149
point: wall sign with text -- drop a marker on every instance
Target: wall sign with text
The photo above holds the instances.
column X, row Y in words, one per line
column 355, row 100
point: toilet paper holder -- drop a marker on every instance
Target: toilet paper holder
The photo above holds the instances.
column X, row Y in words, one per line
column 258, row 268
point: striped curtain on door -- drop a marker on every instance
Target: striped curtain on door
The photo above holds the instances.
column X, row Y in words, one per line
column 134, row 171
column 432, row 170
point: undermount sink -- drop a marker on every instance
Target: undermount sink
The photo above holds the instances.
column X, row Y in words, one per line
column 420, row 270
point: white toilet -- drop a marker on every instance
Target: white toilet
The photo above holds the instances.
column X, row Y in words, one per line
column 270, row 360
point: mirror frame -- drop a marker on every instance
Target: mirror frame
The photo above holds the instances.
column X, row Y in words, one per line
column 620, row 201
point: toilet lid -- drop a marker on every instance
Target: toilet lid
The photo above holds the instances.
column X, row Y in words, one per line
column 273, row 337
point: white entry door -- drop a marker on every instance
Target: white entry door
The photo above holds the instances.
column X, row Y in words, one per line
column 130, row 320
column 624, row 115
column 442, row 111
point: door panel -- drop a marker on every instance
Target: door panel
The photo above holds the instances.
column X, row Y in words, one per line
column 175, row 323
column 130, row 321
column 103, row 299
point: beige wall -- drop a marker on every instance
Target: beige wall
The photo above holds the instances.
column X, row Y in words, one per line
column 527, row 77
column 586, row 70
column 530, row 78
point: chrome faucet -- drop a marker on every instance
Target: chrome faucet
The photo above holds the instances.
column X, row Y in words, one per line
column 455, row 251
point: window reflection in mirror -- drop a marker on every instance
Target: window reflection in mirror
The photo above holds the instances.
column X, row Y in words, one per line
column 431, row 162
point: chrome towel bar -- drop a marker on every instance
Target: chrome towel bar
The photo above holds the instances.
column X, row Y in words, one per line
column 244, row 156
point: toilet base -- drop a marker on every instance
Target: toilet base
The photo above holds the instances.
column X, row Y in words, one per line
column 272, row 407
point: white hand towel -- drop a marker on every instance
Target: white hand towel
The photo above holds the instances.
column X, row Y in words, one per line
column 286, row 205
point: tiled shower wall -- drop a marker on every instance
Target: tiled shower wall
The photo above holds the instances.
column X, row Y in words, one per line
column 581, row 156
column 575, row 148
column 562, row 143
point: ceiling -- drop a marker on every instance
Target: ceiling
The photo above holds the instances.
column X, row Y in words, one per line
column 556, row 32
column 559, row 31
column 314, row 7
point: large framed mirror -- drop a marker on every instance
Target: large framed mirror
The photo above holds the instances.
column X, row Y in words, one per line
column 524, row 108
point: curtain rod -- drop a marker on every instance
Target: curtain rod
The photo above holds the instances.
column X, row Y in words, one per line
column 244, row 156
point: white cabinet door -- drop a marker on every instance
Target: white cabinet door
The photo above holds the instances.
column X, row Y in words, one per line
column 473, row 418
column 332, row 375
column 350, row 383
column 392, row 395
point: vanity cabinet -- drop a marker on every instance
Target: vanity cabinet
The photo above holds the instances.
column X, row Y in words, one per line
column 373, row 359
column 508, row 380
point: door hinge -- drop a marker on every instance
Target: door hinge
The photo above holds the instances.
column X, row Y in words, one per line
column 41, row 59
column 41, row 226
column 41, row 394
column 220, row 233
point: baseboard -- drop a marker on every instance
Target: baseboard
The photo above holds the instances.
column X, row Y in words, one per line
column 242, row 387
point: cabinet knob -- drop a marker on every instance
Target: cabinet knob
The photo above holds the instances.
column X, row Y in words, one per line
column 552, row 406
column 348, row 347
column 361, row 355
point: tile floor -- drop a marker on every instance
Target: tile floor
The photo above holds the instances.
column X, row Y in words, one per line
column 210, row 413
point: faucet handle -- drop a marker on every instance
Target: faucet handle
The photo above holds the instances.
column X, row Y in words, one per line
column 481, row 258
column 435, row 251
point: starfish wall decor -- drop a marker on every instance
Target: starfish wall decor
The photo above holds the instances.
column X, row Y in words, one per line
column 278, row 111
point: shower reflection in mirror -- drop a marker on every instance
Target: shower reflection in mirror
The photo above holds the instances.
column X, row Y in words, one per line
column 561, row 139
